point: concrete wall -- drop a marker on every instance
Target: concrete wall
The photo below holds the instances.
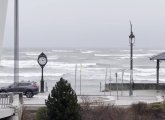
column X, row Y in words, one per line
column 136, row 86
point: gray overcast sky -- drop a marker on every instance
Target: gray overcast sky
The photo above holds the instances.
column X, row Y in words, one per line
column 88, row 23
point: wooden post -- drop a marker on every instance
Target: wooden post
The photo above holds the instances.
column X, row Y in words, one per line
column 75, row 77
column 122, row 83
column 80, row 77
column 157, row 87
column 105, row 79
column 110, row 81
column 117, row 86
column 100, row 86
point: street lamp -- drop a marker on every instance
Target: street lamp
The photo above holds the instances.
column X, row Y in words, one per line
column 131, row 42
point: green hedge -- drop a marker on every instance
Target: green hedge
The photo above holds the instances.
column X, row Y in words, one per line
column 42, row 114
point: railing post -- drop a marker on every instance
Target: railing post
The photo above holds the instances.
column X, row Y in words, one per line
column 21, row 98
column 10, row 98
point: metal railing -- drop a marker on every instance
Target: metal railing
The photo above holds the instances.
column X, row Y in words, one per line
column 6, row 100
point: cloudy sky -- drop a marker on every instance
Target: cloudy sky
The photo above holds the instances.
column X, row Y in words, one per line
column 88, row 23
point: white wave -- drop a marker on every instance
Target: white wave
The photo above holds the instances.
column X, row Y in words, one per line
column 64, row 51
column 6, row 75
column 32, row 74
column 156, row 51
column 70, row 65
column 22, row 63
column 150, row 70
column 34, row 63
column 88, row 64
column 144, row 74
column 125, row 50
column 88, row 51
column 103, row 55
column 123, row 56
column 112, row 55
column 127, row 57
column 60, row 64
column 137, row 50
column 100, row 69
column 32, row 54
column 53, row 57
column 8, row 63
column 143, row 55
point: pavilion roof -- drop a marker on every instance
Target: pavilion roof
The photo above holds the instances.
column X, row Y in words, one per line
column 160, row 56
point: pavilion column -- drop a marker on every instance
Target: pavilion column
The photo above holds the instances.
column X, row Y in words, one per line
column 157, row 73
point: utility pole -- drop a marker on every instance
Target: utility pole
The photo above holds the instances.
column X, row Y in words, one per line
column 131, row 42
column 16, row 41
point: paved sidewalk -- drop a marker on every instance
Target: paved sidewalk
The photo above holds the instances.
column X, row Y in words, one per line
column 148, row 96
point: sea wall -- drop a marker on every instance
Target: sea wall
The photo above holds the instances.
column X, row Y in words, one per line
column 136, row 86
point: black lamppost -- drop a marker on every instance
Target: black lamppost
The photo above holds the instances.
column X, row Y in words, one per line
column 131, row 42
column 42, row 61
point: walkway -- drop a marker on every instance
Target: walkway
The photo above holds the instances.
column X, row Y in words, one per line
column 123, row 98
column 6, row 112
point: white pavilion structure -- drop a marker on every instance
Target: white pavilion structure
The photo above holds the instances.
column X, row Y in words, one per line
column 3, row 14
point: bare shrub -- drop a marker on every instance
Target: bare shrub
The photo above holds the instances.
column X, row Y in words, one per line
column 105, row 113
column 85, row 104
column 140, row 108
column 141, row 111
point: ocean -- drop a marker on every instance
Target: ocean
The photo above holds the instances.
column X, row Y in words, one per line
column 93, row 64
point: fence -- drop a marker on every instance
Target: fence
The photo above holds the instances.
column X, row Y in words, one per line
column 6, row 100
